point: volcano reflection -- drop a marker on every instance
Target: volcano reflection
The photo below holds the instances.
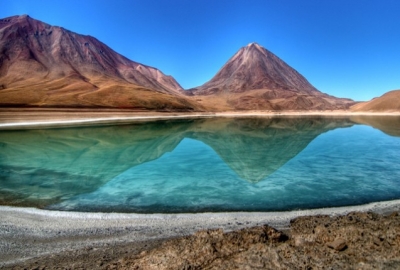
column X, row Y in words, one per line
column 41, row 167
column 255, row 148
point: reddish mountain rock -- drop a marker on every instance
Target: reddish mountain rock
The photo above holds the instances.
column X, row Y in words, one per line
column 255, row 78
column 49, row 66
column 46, row 65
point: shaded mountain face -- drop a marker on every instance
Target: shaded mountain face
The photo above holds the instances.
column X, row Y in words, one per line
column 389, row 101
column 255, row 78
column 46, row 65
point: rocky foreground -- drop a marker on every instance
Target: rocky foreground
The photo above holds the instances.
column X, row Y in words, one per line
column 355, row 241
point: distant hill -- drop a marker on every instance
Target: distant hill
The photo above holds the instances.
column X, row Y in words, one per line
column 44, row 65
column 255, row 78
column 390, row 101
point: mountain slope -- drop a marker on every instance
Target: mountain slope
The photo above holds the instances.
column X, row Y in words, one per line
column 274, row 85
column 45, row 65
column 389, row 101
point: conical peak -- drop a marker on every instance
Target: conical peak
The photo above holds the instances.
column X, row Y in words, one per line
column 254, row 67
column 248, row 54
column 253, row 44
column 252, row 54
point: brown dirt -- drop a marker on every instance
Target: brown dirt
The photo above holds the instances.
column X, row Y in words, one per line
column 354, row 241
column 357, row 240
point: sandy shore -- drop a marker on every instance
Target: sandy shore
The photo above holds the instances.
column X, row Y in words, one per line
column 11, row 118
column 28, row 233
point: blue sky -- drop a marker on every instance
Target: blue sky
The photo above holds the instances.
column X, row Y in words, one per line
column 346, row 48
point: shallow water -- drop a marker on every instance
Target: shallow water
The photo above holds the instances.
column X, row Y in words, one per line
column 257, row 164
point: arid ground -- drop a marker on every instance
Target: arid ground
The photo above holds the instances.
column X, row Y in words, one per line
column 359, row 237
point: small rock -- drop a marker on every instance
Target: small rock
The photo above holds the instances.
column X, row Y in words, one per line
column 339, row 244
column 275, row 235
column 298, row 241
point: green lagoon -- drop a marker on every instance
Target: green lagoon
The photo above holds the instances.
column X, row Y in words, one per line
column 203, row 165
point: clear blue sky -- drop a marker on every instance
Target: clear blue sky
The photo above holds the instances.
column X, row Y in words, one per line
column 346, row 48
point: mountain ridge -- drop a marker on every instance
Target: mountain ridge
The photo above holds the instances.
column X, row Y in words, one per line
column 105, row 58
column 44, row 65
column 49, row 66
column 256, row 78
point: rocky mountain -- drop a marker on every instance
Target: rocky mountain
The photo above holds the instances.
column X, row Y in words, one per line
column 389, row 101
column 44, row 65
column 255, row 78
column 49, row 66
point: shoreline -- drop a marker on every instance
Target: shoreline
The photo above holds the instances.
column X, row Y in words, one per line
column 38, row 118
column 29, row 233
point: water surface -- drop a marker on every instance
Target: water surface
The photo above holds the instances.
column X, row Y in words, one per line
column 255, row 164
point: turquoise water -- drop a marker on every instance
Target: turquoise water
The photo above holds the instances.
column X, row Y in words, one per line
column 203, row 165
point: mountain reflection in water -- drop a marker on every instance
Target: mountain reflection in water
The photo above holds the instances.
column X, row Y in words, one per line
column 255, row 148
column 42, row 167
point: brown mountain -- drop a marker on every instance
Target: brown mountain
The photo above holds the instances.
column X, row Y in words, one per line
column 44, row 65
column 390, row 101
column 255, row 78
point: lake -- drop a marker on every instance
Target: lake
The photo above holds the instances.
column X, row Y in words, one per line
column 203, row 165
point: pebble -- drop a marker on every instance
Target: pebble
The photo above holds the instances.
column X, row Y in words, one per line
column 339, row 244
